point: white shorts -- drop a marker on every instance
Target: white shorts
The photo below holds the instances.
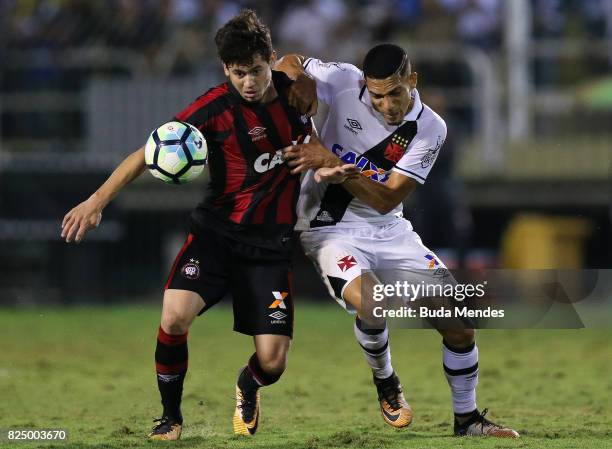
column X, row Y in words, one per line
column 342, row 254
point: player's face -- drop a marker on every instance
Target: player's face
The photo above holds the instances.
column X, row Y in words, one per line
column 252, row 81
column 391, row 96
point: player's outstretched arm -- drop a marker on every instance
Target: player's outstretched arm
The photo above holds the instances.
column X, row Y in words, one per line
column 87, row 215
column 302, row 94
column 383, row 198
column 336, row 175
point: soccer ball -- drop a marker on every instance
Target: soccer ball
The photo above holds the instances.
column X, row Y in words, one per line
column 176, row 152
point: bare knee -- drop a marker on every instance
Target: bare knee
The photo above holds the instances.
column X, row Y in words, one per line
column 364, row 305
column 175, row 322
column 458, row 338
column 274, row 360
column 274, row 365
column 179, row 310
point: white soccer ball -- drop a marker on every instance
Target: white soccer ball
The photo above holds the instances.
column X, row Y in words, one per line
column 176, row 152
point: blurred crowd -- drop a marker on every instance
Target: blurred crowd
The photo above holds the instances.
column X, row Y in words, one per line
column 176, row 35
column 49, row 49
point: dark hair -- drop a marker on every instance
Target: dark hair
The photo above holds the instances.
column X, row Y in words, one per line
column 385, row 60
column 242, row 37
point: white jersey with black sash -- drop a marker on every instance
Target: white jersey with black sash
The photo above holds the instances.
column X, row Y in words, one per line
column 358, row 134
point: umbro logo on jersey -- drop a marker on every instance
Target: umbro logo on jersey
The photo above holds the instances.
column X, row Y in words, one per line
column 279, row 298
column 257, row 133
column 346, row 263
column 325, row 216
column 353, row 126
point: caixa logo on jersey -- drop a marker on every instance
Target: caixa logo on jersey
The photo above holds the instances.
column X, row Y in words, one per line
column 267, row 161
column 366, row 167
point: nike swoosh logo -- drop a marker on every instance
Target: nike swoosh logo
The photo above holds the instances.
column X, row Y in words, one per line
column 389, row 416
column 253, row 429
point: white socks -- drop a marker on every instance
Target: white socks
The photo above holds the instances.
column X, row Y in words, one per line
column 375, row 345
column 461, row 370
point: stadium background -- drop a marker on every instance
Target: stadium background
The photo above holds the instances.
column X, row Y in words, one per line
column 524, row 87
column 523, row 181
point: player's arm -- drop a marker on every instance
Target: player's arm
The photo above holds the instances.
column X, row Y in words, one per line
column 302, row 94
column 87, row 215
column 383, row 198
column 292, row 64
column 328, row 78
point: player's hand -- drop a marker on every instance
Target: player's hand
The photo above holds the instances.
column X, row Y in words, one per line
column 302, row 157
column 336, row 175
column 79, row 220
column 302, row 95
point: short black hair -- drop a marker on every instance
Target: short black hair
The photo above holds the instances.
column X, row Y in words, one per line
column 384, row 60
column 243, row 37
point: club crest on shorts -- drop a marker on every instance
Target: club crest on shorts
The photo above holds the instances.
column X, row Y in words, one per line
column 191, row 270
column 346, row 263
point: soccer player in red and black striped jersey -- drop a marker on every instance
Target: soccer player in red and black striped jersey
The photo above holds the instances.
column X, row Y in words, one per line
column 241, row 234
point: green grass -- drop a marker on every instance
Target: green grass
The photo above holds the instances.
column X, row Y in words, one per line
column 90, row 371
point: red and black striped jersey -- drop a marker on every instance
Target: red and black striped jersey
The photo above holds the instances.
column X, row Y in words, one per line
column 249, row 185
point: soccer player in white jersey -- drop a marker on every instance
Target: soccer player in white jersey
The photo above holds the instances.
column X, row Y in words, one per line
column 353, row 224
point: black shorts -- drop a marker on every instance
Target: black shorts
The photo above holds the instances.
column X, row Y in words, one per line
column 213, row 265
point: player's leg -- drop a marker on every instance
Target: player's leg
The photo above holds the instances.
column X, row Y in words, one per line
column 263, row 308
column 343, row 267
column 460, row 362
column 417, row 263
column 372, row 335
column 373, row 338
column 180, row 308
column 264, row 368
column 269, row 361
column 195, row 275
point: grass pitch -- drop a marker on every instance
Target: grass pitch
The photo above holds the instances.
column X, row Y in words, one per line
column 91, row 371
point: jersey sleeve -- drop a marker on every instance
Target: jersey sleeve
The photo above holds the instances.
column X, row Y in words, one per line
column 195, row 115
column 423, row 152
column 331, row 77
column 201, row 112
